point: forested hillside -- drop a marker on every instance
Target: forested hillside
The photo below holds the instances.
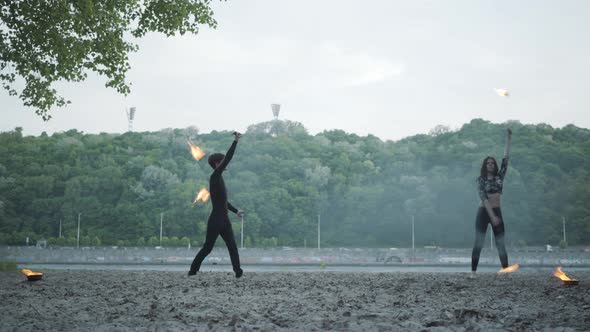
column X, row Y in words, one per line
column 366, row 190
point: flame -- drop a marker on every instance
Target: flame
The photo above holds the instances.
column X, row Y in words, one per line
column 558, row 273
column 31, row 275
column 28, row 272
column 203, row 196
column 510, row 269
column 503, row 92
column 195, row 150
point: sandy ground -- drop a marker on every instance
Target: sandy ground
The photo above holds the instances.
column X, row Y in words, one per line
column 79, row 300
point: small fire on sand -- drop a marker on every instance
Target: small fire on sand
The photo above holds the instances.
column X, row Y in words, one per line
column 32, row 276
column 510, row 268
column 566, row 280
column 202, row 196
column 196, row 151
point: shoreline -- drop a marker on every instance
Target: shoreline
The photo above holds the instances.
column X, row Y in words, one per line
column 76, row 300
column 359, row 265
column 534, row 257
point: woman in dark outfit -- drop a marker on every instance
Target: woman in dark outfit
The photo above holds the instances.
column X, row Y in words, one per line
column 490, row 184
column 218, row 223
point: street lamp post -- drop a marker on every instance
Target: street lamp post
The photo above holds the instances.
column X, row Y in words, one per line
column 161, row 220
column 413, row 242
column 319, row 231
column 242, row 232
column 413, row 247
column 563, row 221
column 78, row 237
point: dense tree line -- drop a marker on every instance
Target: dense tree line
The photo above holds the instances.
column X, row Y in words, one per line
column 365, row 190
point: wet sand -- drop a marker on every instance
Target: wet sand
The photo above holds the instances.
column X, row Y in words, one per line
column 78, row 300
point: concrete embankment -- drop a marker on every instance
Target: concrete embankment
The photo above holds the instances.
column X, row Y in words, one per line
column 334, row 256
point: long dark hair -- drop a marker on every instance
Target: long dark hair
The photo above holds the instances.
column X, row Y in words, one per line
column 484, row 170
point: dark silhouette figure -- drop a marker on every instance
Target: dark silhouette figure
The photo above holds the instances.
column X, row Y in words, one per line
column 218, row 223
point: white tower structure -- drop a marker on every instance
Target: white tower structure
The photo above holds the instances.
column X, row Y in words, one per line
column 276, row 108
column 130, row 116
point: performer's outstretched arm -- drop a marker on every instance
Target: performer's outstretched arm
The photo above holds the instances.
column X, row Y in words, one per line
column 232, row 208
column 229, row 155
column 235, row 210
column 504, row 166
column 508, row 142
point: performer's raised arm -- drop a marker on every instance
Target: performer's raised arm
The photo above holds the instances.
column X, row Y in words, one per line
column 504, row 165
column 229, row 155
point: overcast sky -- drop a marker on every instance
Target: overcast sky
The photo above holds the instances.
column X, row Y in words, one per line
column 387, row 68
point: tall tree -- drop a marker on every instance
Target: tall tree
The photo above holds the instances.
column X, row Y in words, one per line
column 45, row 41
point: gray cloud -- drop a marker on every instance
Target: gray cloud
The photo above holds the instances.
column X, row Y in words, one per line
column 389, row 68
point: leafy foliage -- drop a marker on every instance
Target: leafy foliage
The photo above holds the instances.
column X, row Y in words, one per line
column 42, row 42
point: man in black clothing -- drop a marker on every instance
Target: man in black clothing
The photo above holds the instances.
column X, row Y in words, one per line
column 218, row 223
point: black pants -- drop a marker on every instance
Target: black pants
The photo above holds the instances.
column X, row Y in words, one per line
column 215, row 227
column 481, row 225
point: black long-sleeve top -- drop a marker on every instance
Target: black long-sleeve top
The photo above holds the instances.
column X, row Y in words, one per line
column 217, row 186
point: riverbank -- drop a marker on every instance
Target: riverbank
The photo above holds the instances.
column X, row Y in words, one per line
column 292, row 256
